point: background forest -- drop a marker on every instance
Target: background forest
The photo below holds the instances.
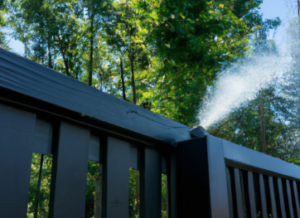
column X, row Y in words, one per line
column 166, row 56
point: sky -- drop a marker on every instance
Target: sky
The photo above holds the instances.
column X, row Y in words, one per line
column 284, row 9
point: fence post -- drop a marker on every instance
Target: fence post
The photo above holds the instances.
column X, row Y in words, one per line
column 201, row 178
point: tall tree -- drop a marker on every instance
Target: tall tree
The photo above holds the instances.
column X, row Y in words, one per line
column 126, row 33
column 96, row 12
column 192, row 41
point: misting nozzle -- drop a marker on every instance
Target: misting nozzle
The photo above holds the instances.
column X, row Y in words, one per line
column 198, row 132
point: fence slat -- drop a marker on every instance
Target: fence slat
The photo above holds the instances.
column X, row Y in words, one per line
column 272, row 195
column 16, row 143
column 263, row 196
column 152, row 183
column 281, row 198
column 238, row 193
column 244, row 193
column 68, row 181
column 289, row 195
column 251, row 194
column 118, row 163
column 43, row 137
column 296, row 198
column 229, row 192
column 172, row 186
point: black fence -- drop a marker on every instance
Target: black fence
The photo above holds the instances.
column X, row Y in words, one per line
column 217, row 178
column 70, row 124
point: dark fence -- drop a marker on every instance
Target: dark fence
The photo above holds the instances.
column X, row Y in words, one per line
column 217, row 178
column 69, row 123
column 72, row 146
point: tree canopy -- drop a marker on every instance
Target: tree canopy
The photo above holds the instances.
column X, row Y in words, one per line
column 170, row 51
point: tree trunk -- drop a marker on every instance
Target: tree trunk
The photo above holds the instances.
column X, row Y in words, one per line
column 98, row 193
column 262, row 128
column 91, row 53
column 25, row 49
column 132, row 80
column 36, row 203
column 49, row 55
column 122, row 78
column 66, row 65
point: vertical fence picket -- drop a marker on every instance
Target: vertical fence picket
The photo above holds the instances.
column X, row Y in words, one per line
column 251, row 194
column 152, row 183
column 70, row 162
column 238, row 192
column 117, row 181
column 229, row 192
column 16, row 143
column 272, row 195
column 281, row 198
column 296, row 196
column 289, row 195
column 263, row 196
column 172, row 185
column 244, row 194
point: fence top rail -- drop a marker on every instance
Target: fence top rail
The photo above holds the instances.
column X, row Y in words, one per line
column 26, row 77
column 245, row 158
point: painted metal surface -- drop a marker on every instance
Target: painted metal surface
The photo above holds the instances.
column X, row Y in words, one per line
column 23, row 76
column 152, row 183
column 217, row 178
column 118, row 163
column 296, row 197
column 238, row 193
column 43, row 137
column 289, row 196
column 69, row 174
column 281, row 198
column 16, row 143
column 246, row 158
column 272, row 196
column 263, row 197
column 251, row 194
column 230, row 200
column 199, row 179
column 192, row 179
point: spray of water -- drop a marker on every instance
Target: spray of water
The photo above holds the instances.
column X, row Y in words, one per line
column 238, row 85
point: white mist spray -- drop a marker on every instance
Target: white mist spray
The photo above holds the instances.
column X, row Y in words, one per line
column 237, row 85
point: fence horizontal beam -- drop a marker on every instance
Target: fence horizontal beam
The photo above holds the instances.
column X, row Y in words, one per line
column 245, row 158
column 23, row 76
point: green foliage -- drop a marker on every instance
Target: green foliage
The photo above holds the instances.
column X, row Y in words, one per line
column 44, row 192
column 191, row 41
column 3, row 42
column 164, row 196
column 171, row 51
column 134, row 201
column 92, row 179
